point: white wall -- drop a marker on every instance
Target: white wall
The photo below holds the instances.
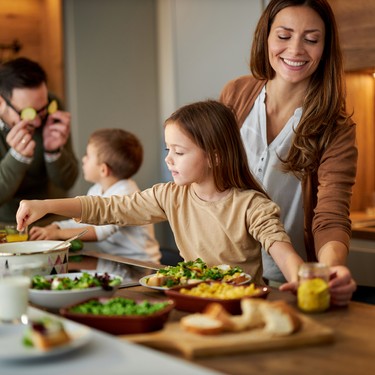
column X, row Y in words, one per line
column 111, row 73
column 131, row 63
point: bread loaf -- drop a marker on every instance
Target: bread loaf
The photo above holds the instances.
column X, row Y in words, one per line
column 276, row 318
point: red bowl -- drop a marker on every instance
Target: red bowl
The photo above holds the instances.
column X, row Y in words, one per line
column 121, row 324
column 196, row 304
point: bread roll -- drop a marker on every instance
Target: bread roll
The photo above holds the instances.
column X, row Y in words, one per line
column 218, row 312
column 202, row 324
column 251, row 312
column 280, row 318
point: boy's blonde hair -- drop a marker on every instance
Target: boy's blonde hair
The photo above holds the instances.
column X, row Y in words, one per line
column 121, row 150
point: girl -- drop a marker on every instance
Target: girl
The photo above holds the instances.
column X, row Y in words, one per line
column 215, row 208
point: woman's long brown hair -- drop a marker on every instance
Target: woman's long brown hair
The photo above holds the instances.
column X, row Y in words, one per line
column 213, row 127
column 323, row 109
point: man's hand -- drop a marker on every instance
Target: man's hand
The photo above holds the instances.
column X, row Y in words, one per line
column 20, row 138
column 56, row 130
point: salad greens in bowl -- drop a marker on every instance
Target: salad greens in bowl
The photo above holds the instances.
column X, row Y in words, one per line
column 120, row 316
column 56, row 291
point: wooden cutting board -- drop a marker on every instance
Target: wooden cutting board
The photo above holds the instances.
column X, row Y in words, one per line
column 173, row 338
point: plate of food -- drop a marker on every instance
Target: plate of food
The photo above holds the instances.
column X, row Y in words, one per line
column 120, row 316
column 195, row 298
column 192, row 272
column 43, row 337
column 56, row 291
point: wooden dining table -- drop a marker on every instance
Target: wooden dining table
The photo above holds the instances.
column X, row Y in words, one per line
column 352, row 350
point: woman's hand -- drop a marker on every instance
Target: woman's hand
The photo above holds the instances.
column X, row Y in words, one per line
column 341, row 285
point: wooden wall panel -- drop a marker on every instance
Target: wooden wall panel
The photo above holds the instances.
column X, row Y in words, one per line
column 356, row 24
column 361, row 101
column 37, row 25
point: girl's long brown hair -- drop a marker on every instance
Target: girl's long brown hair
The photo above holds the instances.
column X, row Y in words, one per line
column 213, row 127
column 323, row 108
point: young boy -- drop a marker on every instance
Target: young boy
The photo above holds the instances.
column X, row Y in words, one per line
column 112, row 157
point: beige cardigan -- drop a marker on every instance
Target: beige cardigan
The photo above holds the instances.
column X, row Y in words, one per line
column 326, row 193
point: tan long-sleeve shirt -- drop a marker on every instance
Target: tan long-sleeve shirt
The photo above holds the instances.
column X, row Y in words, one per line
column 229, row 231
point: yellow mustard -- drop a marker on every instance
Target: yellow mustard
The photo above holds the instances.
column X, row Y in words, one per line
column 313, row 291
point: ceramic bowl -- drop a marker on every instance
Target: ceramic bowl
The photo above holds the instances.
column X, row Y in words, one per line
column 55, row 299
column 35, row 255
column 194, row 304
column 121, row 324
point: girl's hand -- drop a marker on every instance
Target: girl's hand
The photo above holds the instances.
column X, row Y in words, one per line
column 289, row 287
column 30, row 211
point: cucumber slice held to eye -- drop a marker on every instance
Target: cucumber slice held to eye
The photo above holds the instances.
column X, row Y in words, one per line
column 28, row 114
column 52, row 107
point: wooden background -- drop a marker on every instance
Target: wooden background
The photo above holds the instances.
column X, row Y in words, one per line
column 37, row 26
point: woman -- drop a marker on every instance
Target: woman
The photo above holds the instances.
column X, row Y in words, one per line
column 300, row 142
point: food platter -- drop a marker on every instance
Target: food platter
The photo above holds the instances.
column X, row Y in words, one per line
column 55, row 299
column 192, row 272
column 143, row 282
column 13, row 349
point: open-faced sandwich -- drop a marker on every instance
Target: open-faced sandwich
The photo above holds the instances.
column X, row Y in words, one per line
column 46, row 333
column 195, row 271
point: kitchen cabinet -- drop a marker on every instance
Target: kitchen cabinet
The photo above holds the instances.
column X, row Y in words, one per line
column 355, row 21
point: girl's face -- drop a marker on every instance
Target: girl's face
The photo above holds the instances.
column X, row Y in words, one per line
column 186, row 161
column 296, row 43
column 90, row 164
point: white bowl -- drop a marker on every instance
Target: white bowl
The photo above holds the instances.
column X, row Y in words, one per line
column 55, row 299
column 36, row 256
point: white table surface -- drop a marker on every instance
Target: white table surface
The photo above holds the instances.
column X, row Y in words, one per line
column 103, row 355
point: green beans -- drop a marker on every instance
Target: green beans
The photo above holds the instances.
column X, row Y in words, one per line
column 118, row 306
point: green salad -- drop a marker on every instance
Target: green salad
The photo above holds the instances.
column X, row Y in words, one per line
column 118, row 306
column 197, row 269
column 85, row 281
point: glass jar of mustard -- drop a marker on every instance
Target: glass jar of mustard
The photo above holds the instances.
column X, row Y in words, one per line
column 313, row 291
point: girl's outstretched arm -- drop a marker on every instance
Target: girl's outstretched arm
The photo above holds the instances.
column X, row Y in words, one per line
column 287, row 259
column 30, row 211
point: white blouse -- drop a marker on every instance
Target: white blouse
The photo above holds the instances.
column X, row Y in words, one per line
column 284, row 188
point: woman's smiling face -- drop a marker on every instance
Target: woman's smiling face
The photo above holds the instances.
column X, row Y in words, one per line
column 296, row 43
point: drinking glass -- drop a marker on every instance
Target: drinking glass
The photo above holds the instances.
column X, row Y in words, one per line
column 14, row 235
column 14, row 295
